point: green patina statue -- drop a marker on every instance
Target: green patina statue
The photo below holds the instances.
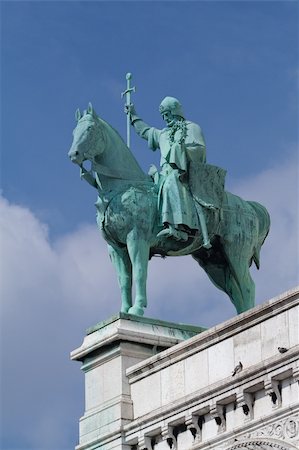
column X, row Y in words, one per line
column 182, row 145
column 183, row 210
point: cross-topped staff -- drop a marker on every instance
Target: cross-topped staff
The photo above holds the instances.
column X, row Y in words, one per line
column 127, row 93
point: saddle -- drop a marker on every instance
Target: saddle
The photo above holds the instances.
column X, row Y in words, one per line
column 207, row 184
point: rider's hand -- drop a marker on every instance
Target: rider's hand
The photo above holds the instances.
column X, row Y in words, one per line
column 130, row 109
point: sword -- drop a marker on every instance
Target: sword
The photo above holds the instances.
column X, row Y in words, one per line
column 127, row 93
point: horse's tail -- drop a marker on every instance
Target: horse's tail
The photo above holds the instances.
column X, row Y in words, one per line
column 264, row 227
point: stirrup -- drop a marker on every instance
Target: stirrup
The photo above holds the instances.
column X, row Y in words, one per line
column 178, row 235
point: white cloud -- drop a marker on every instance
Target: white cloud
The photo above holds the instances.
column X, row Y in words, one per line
column 49, row 295
column 52, row 291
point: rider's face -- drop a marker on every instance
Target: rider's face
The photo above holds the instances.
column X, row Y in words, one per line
column 169, row 118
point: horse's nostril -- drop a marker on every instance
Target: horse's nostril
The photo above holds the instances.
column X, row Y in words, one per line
column 73, row 154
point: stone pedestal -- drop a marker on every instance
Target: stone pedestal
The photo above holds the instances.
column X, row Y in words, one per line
column 154, row 385
column 108, row 350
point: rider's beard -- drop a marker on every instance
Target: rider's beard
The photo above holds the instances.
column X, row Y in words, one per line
column 171, row 123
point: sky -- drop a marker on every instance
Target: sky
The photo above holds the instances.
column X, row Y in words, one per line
column 234, row 67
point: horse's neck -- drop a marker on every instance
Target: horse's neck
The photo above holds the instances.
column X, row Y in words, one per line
column 118, row 159
column 107, row 183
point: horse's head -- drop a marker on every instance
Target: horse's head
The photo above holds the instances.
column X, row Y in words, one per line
column 88, row 140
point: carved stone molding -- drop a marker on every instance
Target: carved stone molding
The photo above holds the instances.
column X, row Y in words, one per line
column 192, row 424
column 246, row 401
column 167, row 435
column 218, row 413
column 145, row 443
column 272, row 388
column 296, row 373
column 285, row 429
column 260, row 444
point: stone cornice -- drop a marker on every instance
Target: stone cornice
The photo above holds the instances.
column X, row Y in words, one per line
column 216, row 334
column 222, row 391
column 128, row 328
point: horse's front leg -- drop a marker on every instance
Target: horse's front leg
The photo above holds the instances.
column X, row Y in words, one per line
column 121, row 261
column 138, row 249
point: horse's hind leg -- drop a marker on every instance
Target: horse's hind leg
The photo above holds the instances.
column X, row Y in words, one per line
column 138, row 249
column 232, row 277
column 217, row 272
column 240, row 285
column 121, row 261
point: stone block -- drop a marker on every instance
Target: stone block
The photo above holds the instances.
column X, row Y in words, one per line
column 196, row 372
column 221, row 360
column 248, row 346
column 151, row 385
column 262, row 404
column 274, row 334
column 293, row 326
column 172, row 383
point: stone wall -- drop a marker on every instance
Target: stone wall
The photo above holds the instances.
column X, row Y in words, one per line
column 151, row 385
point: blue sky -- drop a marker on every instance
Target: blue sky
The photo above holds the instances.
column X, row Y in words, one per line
column 234, row 67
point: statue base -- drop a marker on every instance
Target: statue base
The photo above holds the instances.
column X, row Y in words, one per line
column 153, row 385
column 108, row 350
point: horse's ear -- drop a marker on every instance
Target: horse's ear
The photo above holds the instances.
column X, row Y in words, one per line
column 90, row 110
column 78, row 115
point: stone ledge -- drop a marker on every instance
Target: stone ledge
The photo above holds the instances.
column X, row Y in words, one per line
column 125, row 327
column 119, row 400
column 239, row 433
column 218, row 391
column 225, row 438
column 216, row 334
column 146, row 320
column 103, row 442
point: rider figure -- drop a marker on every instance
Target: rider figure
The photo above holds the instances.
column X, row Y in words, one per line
column 180, row 143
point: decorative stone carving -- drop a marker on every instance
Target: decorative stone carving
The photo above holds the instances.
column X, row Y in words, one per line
column 145, row 443
column 286, row 429
column 291, row 428
column 218, row 413
column 296, row 374
column 167, row 435
column 192, row 423
column 272, row 388
column 246, row 401
column 259, row 444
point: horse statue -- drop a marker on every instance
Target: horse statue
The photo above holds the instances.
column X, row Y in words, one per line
column 128, row 217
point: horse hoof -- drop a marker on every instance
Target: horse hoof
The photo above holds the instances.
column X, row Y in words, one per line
column 136, row 311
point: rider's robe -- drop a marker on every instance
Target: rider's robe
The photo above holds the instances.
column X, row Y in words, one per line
column 176, row 204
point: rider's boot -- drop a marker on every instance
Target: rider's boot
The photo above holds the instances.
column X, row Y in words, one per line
column 172, row 232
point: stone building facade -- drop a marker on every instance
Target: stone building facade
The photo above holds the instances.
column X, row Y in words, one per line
column 153, row 385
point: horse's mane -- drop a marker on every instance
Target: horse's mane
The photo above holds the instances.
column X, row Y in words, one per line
column 109, row 126
column 127, row 155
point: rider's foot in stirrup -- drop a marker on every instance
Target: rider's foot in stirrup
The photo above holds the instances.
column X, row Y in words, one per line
column 174, row 233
